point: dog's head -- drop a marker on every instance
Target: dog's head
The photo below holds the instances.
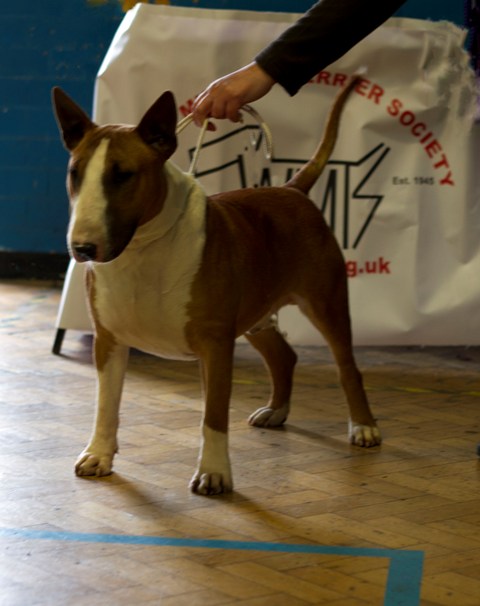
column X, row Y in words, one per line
column 115, row 180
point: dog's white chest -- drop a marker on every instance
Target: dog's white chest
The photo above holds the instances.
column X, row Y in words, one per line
column 142, row 296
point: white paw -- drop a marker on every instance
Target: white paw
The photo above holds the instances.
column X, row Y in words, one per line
column 269, row 417
column 214, row 473
column 211, row 483
column 92, row 464
column 364, row 435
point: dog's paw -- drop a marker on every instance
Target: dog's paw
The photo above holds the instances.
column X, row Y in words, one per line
column 208, row 484
column 214, row 472
column 269, row 417
column 364, row 435
column 91, row 464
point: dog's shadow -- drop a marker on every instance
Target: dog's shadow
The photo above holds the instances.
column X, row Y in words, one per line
column 320, row 434
column 147, row 501
column 158, row 512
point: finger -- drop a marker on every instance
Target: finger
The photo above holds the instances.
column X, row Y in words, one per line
column 218, row 108
column 232, row 111
column 201, row 109
column 200, row 113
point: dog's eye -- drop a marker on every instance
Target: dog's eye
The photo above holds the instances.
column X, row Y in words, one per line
column 120, row 175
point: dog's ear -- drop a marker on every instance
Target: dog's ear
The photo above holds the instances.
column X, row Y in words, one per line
column 157, row 127
column 72, row 121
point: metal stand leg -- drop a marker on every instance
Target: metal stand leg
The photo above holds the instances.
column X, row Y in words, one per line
column 57, row 344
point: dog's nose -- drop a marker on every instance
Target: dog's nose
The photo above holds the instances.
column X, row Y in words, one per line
column 85, row 251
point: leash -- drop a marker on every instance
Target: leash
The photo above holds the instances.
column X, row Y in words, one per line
column 267, row 135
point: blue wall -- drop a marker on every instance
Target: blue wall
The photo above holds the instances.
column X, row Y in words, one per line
column 62, row 42
column 43, row 43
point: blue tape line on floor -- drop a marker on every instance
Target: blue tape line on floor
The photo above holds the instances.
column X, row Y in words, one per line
column 404, row 574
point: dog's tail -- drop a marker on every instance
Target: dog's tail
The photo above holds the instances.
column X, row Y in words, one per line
column 306, row 177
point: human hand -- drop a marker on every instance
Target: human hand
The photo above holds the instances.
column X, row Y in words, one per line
column 224, row 97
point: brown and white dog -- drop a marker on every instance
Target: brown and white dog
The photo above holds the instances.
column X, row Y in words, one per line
column 178, row 274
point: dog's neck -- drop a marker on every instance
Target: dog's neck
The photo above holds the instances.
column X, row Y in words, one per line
column 181, row 190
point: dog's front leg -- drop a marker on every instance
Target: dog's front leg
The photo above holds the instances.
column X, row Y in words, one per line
column 213, row 474
column 111, row 362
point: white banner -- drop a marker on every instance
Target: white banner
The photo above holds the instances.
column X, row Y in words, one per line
column 401, row 188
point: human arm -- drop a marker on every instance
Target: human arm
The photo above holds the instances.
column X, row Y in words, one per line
column 320, row 37
column 326, row 32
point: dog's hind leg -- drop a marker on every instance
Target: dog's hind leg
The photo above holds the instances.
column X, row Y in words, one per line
column 331, row 317
column 280, row 360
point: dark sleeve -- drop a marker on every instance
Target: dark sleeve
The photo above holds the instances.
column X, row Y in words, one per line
column 325, row 33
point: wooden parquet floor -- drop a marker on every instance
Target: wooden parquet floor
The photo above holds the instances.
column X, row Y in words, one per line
column 312, row 520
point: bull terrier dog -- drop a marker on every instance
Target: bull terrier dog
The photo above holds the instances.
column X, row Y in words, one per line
column 179, row 274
